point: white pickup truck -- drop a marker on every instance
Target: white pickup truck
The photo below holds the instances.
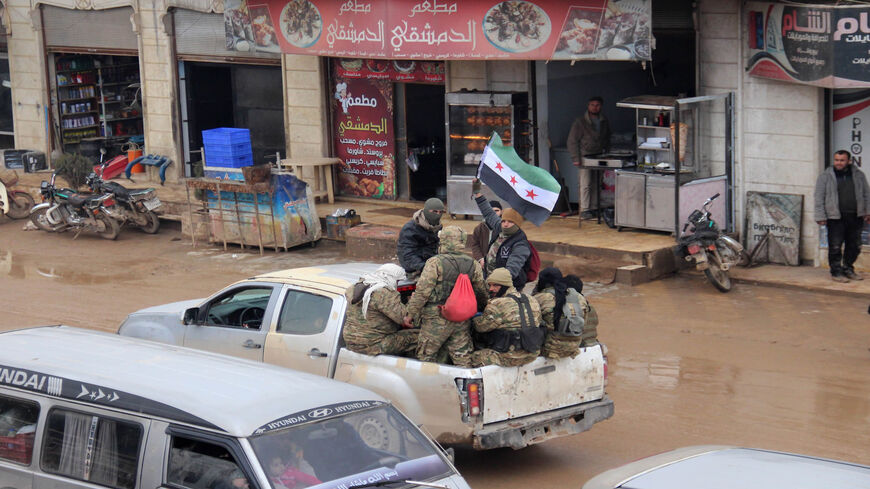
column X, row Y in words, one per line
column 294, row 318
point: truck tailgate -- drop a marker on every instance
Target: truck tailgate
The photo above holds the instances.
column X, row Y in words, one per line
column 543, row 385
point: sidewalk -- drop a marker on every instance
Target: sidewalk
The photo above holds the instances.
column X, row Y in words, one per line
column 801, row 278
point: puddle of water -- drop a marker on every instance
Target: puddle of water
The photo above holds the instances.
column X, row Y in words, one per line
column 20, row 268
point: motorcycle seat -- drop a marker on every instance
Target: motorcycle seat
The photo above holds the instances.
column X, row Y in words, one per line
column 121, row 192
column 78, row 200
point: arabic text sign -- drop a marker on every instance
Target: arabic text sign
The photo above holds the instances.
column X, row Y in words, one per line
column 365, row 141
column 780, row 216
column 815, row 45
column 444, row 29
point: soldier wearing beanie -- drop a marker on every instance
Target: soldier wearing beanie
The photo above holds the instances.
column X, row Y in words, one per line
column 499, row 327
column 418, row 240
column 508, row 247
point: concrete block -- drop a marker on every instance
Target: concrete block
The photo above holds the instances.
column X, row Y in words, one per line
column 301, row 62
column 718, row 50
column 780, row 147
column 297, row 97
column 660, row 262
column 306, row 116
column 719, row 26
column 372, row 242
column 769, row 94
column 632, row 275
column 720, row 75
column 780, row 121
column 306, row 134
column 308, row 80
column 306, row 149
column 780, row 172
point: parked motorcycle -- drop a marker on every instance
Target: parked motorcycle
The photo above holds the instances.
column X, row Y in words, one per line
column 712, row 251
column 63, row 209
column 14, row 204
column 135, row 207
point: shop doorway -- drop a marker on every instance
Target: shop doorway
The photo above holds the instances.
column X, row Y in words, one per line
column 232, row 95
column 97, row 102
column 423, row 123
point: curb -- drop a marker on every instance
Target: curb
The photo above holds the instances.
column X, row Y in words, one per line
column 790, row 286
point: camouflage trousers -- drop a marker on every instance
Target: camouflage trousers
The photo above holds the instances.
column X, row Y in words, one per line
column 402, row 342
column 437, row 332
column 560, row 346
column 514, row 358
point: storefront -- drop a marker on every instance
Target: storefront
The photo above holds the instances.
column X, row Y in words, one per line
column 94, row 79
column 221, row 87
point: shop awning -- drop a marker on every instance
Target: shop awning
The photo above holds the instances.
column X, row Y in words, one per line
column 809, row 44
column 200, row 36
column 444, row 29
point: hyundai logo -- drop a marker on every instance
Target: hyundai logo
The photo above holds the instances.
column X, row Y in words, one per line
column 320, row 413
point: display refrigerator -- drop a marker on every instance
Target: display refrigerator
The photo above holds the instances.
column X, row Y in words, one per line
column 471, row 118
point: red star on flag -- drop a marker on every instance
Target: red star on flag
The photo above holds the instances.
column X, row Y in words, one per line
column 531, row 194
column 498, row 166
column 513, row 180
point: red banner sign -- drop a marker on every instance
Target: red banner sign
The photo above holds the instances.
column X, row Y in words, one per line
column 444, row 29
column 365, row 141
column 405, row 70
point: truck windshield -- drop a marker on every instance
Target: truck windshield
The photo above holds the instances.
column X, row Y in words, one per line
column 363, row 447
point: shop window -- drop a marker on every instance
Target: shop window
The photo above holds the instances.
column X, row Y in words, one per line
column 304, row 313
column 17, row 427
column 92, row 448
column 197, row 464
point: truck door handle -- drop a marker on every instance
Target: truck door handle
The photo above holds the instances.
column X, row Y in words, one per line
column 251, row 344
column 315, row 353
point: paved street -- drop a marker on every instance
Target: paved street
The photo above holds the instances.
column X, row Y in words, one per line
column 760, row 366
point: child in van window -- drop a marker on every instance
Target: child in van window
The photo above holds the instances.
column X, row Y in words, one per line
column 287, row 476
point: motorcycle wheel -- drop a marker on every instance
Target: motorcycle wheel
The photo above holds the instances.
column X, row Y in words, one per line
column 40, row 220
column 111, row 228
column 152, row 223
column 20, row 204
column 718, row 277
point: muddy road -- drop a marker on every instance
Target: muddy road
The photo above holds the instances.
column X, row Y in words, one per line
column 760, row 367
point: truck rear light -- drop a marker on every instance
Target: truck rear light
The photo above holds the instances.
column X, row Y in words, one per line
column 474, row 399
column 471, row 396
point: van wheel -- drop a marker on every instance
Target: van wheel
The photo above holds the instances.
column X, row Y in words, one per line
column 377, row 433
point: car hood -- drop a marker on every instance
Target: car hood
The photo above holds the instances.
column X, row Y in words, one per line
column 171, row 308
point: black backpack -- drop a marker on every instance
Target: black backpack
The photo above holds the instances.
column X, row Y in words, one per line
column 531, row 335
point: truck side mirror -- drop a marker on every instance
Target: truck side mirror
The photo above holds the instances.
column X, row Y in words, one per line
column 190, row 315
column 451, row 455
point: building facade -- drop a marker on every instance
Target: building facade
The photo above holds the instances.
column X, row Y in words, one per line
column 781, row 139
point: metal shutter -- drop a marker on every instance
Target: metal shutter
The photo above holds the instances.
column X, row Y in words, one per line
column 87, row 30
column 672, row 14
column 201, row 37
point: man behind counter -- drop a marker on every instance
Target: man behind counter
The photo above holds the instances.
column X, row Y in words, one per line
column 589, row 134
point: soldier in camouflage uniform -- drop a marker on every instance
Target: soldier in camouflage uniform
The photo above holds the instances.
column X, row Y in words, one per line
column 503, row 313
column 375, row 315
column 433, row 288
column 550, row 294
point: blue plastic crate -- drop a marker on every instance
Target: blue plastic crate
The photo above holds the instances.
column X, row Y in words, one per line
column 226, row 135
column 228, row 149
column 237, row 161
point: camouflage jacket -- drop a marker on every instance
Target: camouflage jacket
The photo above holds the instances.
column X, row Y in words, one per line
column 504, row 313
column 434, row 288
column 547, row 300
column 385, row 315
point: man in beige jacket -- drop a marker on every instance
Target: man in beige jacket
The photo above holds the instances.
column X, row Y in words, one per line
column 589, row 134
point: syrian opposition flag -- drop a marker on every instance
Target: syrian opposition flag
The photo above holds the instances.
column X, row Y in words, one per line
column 529, row 190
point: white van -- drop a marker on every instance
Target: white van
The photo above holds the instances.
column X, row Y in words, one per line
column 82, row 409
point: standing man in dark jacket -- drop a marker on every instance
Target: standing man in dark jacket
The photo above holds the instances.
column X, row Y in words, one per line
column 483, row 235
column 508, row 248
column 589, row 134
column 418, row 240
column 842, row 203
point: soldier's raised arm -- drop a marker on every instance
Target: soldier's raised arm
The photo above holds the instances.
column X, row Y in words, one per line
column 389, row 303
column 478, row 284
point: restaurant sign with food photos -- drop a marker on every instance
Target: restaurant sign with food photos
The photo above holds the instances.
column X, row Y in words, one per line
column 365, row 143
column 443, row 29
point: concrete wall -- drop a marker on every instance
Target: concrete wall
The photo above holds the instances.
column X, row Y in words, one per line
column 27, row 76
column 779, row 132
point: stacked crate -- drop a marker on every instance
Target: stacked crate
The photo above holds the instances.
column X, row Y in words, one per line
column 226, row 150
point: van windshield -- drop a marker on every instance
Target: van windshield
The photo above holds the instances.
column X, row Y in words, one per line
column 362, row 447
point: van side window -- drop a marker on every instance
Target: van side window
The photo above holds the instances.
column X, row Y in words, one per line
column 197, row 464
column 92, row 448
column 304, row 313
column 17, row 429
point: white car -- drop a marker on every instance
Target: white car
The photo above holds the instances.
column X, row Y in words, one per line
column 726, row 467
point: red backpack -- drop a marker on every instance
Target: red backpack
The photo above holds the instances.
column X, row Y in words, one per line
column 533, row 264
column 461, row 304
